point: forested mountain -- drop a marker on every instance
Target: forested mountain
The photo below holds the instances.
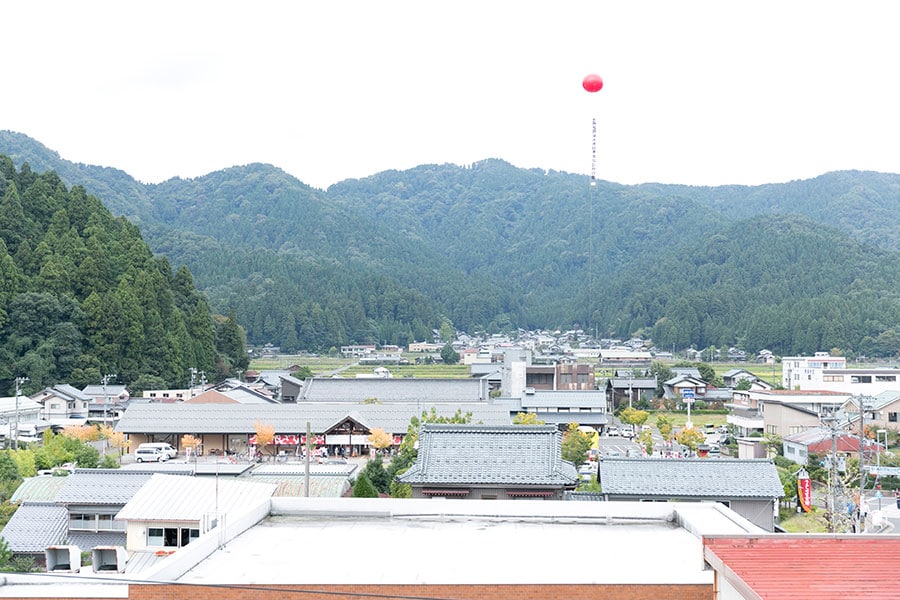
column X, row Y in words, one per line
column 82, row 296
column 795, row 267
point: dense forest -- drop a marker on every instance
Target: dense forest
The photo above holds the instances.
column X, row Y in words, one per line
column 794, row 267
column 82, row 296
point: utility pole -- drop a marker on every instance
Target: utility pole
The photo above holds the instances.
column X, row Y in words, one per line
column 860, row 520
column 19, row 382
column 105, row 380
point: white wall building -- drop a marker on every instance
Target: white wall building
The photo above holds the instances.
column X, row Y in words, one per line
column 805, row 372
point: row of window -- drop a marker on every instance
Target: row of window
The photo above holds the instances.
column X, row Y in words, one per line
column 171, row 537
column 89, row 522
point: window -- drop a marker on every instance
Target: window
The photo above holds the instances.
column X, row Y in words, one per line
column 171, row 537
column 860, row 379
column 886, row 378
column 565, row 378
column 833, row 378
column 773, row 429
column 892, row 417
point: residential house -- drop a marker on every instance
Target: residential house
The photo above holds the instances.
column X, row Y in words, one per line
column 21, row 419
column 107, row 402
column 77, row 510
column 171, row 511
column 882, row 411
column 790, row 411
column 751, row 488
column 625, row 358
column 63, row 405
column 675, row 387
column 490, row 462
column 627, row 389
column 732, row 378
column 822, row 440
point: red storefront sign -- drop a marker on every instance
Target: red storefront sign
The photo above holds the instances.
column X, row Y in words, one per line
column 279, row 440
column 804, row 491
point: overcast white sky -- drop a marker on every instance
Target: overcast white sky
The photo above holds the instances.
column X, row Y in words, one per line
column 695, row 92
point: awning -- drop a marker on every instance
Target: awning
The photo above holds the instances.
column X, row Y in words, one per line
column 437, row 492
column 530, row 493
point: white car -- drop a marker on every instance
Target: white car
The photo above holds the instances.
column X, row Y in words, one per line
column 612, row 431
column 150, row 455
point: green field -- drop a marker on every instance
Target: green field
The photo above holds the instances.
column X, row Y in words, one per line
column 346, row 367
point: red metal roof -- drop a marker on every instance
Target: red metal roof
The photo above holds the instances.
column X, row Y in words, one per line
column 818, row 567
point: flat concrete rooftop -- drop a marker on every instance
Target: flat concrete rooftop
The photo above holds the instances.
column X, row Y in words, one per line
column 436, row 541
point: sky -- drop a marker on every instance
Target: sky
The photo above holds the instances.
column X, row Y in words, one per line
column 695, row 92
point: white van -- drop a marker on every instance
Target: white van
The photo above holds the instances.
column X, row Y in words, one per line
column 166, row 449
column 150, row 455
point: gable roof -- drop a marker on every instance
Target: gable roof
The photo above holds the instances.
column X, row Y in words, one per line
column 289, row 418
column 106, row 487
column 41, row 488
column 178, row 498
column 36, row 525
column 690, row 478
column 785, row 566
column 512, row 455
column 403, row 389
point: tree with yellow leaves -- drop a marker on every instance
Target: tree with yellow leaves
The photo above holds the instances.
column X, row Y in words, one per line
column 380, row 439
column 82, row 433
column 265, row 435
column 527, row 418
column 190, row 442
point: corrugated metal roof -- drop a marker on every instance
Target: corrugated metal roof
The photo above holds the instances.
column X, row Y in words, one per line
column 690, row 478
column 511, row 455
column 294, row 486
column 42, row 488
column 177, row 498
column 34, row 526
column 289, row 418
column 799, row 566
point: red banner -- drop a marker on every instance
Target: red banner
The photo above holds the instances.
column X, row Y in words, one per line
column 804, row 491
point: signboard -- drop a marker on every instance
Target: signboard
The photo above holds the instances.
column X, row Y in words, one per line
column 688, row 395
column 804, row 491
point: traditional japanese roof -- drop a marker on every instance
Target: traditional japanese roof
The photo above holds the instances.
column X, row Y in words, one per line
column 106, row 487
column 512, row 455
column 413, row 390
column 161, row 418
column 42, row 488
column 36, row 525
column 690, row 478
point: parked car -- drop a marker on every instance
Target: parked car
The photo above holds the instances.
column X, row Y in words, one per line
column 628, row 430
column 612, row 430
column 150, row 455
column 166, row 449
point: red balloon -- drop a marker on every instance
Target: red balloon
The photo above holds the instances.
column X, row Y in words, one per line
column 592, row 83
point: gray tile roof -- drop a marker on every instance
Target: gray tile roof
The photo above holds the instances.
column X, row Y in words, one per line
column 104, row 487
column 690, row 478
column 562, row 399
column 87, row 540
column 34, row 526
column 288, row 418
column 42, row 488
column 511, row 455
column 431, row 390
